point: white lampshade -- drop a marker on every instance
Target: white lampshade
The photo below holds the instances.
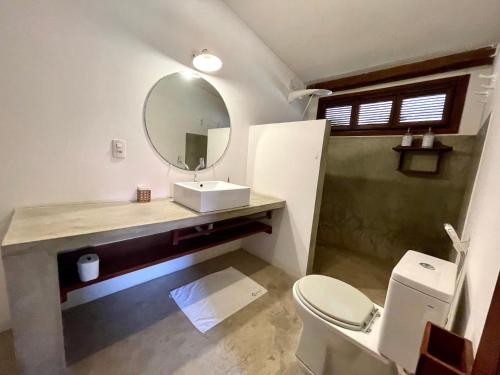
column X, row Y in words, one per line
column 207, row 62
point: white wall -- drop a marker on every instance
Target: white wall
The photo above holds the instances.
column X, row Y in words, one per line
column 483, row 260
column 284, row 161
column 75, row 74
column 473, row 109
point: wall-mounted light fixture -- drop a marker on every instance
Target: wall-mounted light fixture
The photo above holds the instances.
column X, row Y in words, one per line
column 206, row 62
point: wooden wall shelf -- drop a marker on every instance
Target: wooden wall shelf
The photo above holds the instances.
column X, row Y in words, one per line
column 438, row 148
column 126, row 256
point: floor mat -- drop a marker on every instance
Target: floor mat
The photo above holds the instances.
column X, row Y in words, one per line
column 208, row 301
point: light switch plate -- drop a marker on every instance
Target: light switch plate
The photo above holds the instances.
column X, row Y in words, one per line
column 119, row 148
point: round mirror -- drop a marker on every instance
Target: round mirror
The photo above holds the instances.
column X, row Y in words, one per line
column 187, row 121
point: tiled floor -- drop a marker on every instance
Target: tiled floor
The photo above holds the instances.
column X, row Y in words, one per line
column 141, row 331
column 368, row 274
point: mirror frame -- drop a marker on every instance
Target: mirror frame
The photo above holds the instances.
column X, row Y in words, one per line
column 148, row 136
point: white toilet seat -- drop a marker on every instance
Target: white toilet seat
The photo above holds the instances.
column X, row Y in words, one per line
column 336, row 302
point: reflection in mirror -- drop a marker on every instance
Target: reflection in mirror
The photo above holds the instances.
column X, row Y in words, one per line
column 187, row 121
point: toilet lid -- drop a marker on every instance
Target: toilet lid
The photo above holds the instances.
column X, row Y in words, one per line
column 337, row 300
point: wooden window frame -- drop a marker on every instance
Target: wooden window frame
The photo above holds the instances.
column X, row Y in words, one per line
column 455, row 88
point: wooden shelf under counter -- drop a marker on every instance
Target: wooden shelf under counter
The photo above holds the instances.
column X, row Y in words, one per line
column 119, row 258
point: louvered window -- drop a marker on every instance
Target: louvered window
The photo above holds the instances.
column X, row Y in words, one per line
column 437, row 104
column 339, row 115
column 423, row 108
column 375, row 113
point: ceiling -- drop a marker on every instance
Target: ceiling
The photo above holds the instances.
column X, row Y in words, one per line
column 321, row 39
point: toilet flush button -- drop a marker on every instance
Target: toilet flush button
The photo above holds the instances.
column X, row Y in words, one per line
column 427, row 266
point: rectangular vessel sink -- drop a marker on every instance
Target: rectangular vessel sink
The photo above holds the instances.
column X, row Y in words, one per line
column 205, row 196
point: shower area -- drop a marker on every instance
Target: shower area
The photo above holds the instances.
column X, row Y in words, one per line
column 371, row 213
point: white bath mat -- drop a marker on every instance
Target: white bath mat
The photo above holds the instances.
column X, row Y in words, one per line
column 211, row 299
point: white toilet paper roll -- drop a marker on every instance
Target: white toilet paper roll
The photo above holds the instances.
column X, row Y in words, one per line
column 88, row 267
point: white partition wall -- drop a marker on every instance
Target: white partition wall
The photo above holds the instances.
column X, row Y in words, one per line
column 288, row 161
column 216, row 144
column 483, row 260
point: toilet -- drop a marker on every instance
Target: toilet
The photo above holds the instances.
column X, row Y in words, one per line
column 345, row 333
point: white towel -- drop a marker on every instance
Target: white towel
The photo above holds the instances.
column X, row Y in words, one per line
column 208, row 301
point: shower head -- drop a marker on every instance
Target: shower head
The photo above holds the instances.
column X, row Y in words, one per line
column 298, row 94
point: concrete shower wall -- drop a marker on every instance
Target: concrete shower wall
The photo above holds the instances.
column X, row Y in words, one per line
column 370, row 207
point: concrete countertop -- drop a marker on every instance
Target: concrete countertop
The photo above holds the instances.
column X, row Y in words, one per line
column 64, row 227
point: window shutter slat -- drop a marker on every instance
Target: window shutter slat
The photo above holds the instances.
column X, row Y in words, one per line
column 434, row 103
column 339, row 116
column 423, row 108
column 375, row 113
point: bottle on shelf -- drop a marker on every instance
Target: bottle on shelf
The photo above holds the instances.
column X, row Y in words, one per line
column 428, row 140
column 407, row 139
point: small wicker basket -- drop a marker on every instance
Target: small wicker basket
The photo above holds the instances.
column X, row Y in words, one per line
column 143, row 194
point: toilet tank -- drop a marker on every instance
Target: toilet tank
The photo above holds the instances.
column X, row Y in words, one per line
column 421, row 289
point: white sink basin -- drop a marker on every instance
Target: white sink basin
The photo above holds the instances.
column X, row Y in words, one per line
column 205, row 196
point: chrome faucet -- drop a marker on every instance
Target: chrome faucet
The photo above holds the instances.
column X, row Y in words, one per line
column 179, row 161
column 198, row 167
